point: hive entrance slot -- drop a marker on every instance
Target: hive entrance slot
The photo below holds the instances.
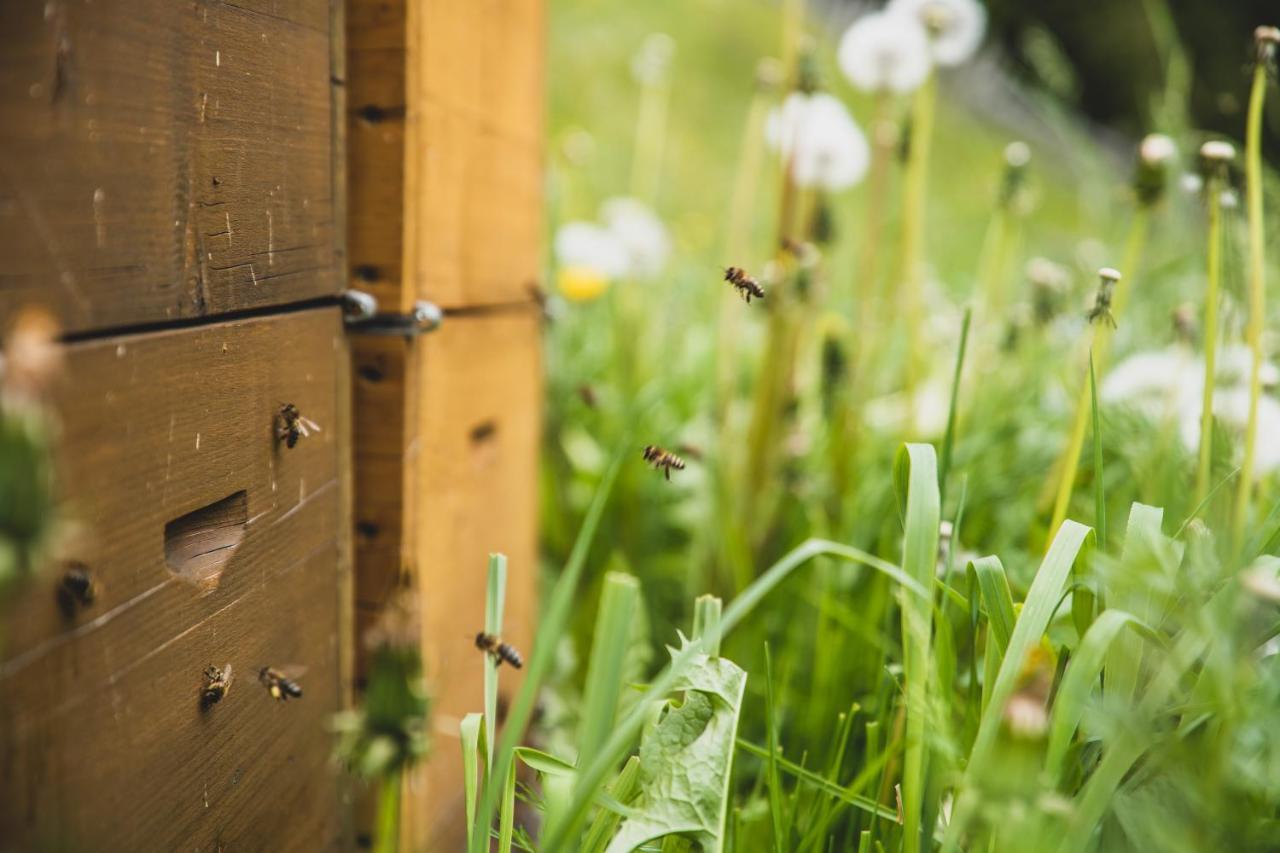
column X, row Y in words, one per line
column 198, row 545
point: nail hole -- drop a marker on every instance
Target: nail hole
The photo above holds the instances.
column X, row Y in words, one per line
column 366, row 272
column 198, row 545
column 370, row 372
column 483, row 431
column 367, row 529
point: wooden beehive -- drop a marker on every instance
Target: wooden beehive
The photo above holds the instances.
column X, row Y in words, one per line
column 444, row 146
column 175, row 181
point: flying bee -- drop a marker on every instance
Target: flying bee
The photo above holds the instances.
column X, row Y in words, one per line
column 1102, row 302
column 217, row 683
column 280, row 682
column 664, row 459
column 743, row 283
column 293, row 426
column 498, row 650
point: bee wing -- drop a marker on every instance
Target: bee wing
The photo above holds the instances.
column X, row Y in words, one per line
column 291, row 670
column 308, row 426
column 226, row 674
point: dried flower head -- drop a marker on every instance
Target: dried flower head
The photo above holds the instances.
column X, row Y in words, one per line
column 1157, row 155
column 1017, row 156
column 1217, row 153
column 770, row 74
column 1102, row 300
column 885, row 52
column 1267, row 41
column 652, row 61
column 823, row 144
column 955, row 27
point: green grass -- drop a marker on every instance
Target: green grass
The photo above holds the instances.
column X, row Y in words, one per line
column 1013, row 684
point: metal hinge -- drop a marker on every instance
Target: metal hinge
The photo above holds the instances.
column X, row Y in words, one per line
column 360, row 311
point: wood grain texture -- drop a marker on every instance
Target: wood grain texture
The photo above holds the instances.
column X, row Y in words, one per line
column 445, row 132
column 103, row 743
column 473, row 170
column 475, row 464
column 164, row 160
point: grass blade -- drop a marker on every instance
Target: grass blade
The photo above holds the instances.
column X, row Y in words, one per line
column 469, row 730
column 619, row 602
column 916, row 467
column 1042, row 600
column 1099, row 488
column 1082, row 672
column 948, row 439
column 494, row 604
column 780, row 834
column 628, row 728
column 554, row 617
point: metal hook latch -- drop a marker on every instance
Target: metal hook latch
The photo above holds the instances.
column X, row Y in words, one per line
column 362, row 317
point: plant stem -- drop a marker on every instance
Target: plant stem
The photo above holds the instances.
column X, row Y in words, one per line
column 1101, row 347
column 1213, row 191
column 1257, row 293
column 387, row 833
column 913, row 215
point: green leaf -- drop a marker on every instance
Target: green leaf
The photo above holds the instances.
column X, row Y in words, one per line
column 685, row 760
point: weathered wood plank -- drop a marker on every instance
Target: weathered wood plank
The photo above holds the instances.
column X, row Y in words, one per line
column 164, row 160
column 475, row 468
column 473, row 174
column 102, row 740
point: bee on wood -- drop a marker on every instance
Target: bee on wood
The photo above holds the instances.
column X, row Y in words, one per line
column 78, row 586
column 664, row 459
column 280, row 682
column 1102, row 302
column 292, row 426
column 743, row 283
column 498, row 650
column 217, row 684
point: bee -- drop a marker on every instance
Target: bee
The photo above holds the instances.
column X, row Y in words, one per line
column 664, row 459
column 498, row 650
column 280, row 683
column 1102, row 302
column 217, row 684
column 293, row 426
column 587, row 395
column 743, row 283
column 77, row 588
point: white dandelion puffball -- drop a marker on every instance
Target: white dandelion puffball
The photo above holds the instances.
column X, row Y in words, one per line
column 955, row 27
column 592, row 246
column 883, row 52
column 821, row 140
column 641, row 232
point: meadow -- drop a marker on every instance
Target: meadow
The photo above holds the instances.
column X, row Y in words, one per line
column 960, row 533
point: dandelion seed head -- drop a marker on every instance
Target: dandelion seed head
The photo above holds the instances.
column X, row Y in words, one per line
column 591, row 246
column 1217, row 151
column 641, row 233
column 1017, row 155
column 819, row 138
column 770, row 74
column 885, row 52
column 1191, row 183
column 1109, row 275
column 1157, row 149
column 651, row 62
column 955, row 27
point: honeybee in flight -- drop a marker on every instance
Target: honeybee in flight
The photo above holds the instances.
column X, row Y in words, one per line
column 78, row 588
column 280, row 683
column 498, row 650
column 217, row 683
column 664, row 459
column 293, row 426
column 743, row 283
